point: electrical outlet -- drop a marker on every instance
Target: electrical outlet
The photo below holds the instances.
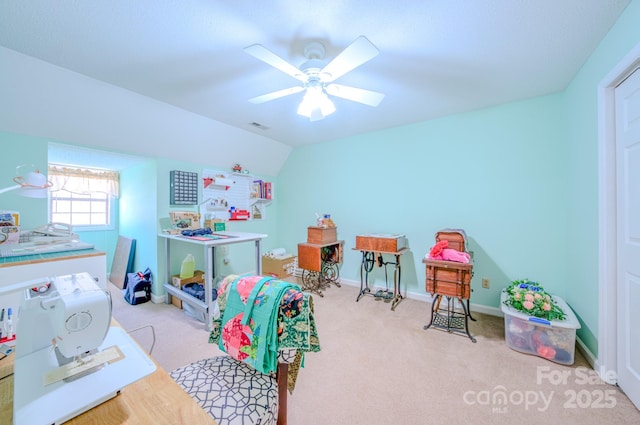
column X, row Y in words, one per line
column 485, row 283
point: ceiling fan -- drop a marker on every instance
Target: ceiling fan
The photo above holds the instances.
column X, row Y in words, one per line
column 317, row 77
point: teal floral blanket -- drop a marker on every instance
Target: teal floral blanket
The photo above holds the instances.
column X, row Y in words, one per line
column 260, row 316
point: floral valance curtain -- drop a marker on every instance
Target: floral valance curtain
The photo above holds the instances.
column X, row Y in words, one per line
column 84, row 181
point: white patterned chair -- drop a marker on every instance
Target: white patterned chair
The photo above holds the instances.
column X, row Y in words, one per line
column 234, row 393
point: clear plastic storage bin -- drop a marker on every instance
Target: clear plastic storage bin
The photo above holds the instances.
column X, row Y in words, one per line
column 553, row 340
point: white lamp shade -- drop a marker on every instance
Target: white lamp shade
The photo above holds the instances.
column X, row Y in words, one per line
column 35, row 178
column 35, row 185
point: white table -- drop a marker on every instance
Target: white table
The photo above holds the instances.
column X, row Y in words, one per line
column 209, row 251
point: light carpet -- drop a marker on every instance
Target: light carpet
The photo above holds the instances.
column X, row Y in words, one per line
column 378, row 366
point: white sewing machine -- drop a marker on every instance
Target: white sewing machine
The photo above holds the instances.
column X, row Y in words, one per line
column 68, row 356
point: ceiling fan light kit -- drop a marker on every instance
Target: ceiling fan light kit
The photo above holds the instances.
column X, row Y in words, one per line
column 316, row 104
column 317, row 78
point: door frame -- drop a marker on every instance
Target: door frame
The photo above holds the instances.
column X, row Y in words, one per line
column 606, row 361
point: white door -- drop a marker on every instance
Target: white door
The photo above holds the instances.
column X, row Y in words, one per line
column 627, row 107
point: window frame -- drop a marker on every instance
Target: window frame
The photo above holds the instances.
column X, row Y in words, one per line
column 110, row 200
column 76, row 189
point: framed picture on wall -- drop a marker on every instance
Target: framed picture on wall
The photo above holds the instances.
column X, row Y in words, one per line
column 257, row 211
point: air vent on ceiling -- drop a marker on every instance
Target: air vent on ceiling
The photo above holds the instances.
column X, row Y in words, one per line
column 260, row 126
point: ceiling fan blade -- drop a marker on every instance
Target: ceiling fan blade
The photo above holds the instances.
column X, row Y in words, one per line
column 276, row 94
column 357, row 53
column 260, row 52
column 367, row 97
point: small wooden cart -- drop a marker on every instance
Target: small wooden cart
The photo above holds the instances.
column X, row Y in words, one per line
column 319, row 258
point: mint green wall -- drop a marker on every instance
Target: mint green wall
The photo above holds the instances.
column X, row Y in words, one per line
column 138, row 199
column 103, row 240
column 498, row 173
column 581, row 99
column 19, row 150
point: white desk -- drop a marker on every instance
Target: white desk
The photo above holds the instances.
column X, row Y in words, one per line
column 209, row 251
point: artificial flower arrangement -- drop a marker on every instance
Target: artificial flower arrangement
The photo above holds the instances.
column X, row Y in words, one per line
column 530, row 298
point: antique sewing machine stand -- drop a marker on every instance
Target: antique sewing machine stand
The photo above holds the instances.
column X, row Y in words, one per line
column 449, row 319
column 368, row 260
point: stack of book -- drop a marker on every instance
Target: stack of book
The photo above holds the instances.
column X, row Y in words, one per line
column 261, row 189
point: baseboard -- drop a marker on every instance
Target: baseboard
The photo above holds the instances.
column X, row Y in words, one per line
column 603, row 373
column 588, row 355
column 160, row 299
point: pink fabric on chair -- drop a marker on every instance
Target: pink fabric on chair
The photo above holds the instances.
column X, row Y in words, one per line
column 440, row 252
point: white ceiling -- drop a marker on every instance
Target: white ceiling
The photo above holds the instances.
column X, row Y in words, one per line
column 437, row 57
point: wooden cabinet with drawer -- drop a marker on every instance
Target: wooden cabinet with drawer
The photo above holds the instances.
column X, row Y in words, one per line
column 448, row 278
column 312, row 256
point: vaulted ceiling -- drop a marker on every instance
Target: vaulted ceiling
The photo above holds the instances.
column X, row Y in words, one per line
column 436, row 57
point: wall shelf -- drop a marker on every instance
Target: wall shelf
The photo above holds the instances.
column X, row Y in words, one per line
column 260, row 201
column 217, row 182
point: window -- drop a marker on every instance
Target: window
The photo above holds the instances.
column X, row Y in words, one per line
column 83, row 197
